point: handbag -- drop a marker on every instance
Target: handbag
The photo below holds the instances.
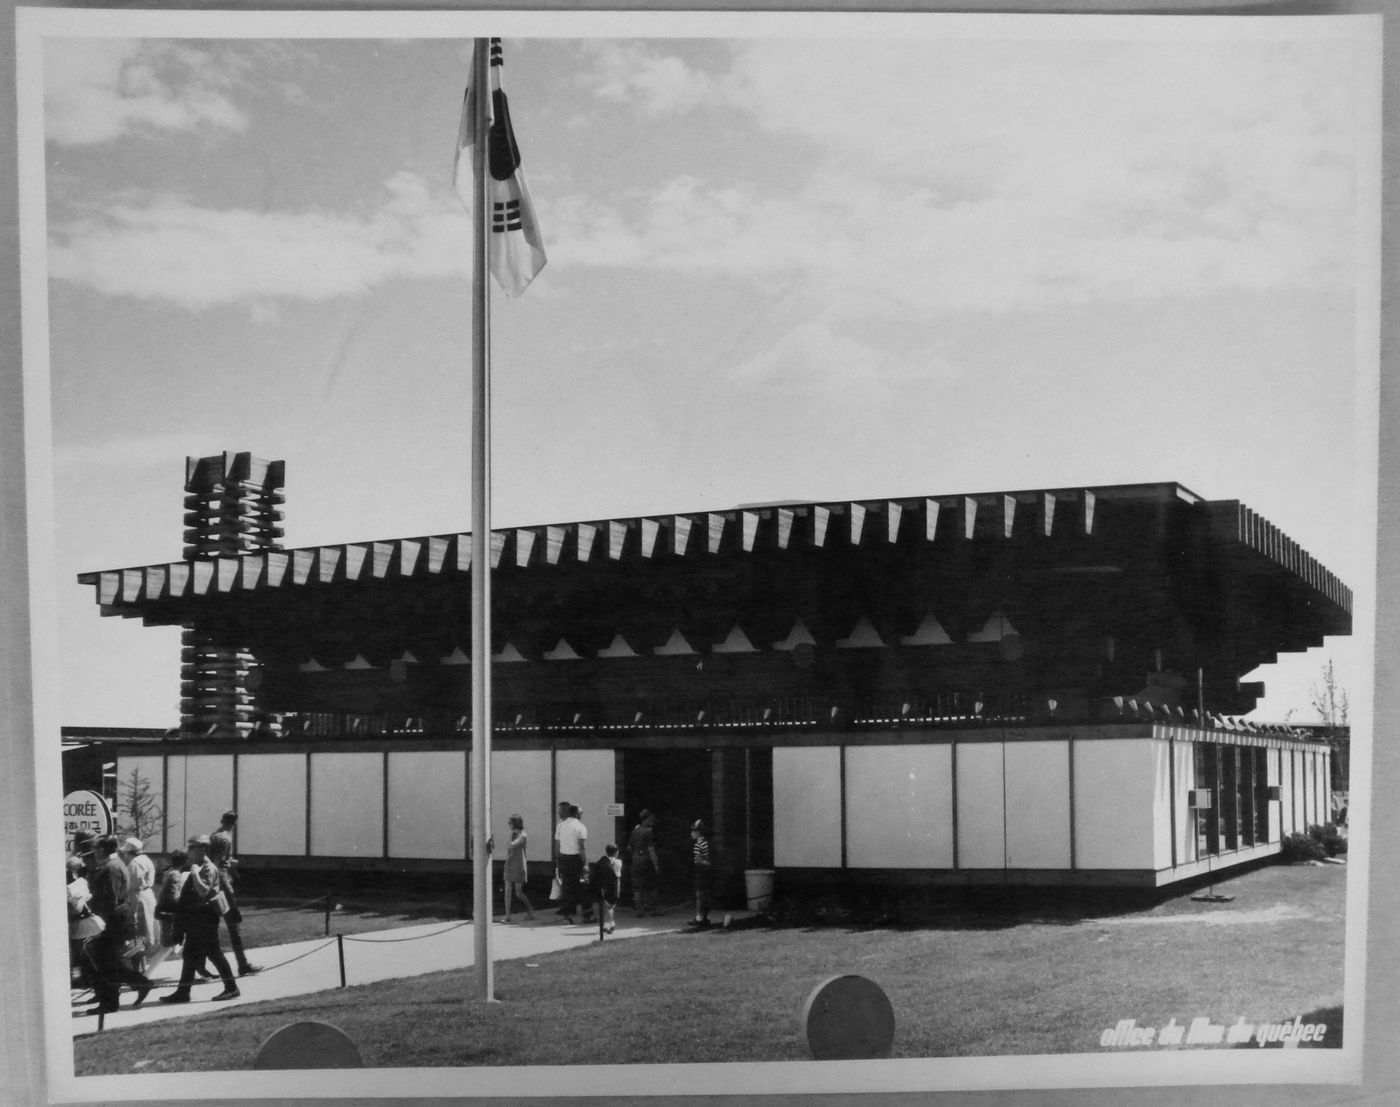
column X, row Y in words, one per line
column 169, row 897
column 219, row 902
column 89, row 926
column 555, row 890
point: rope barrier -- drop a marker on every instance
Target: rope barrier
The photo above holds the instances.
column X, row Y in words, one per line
column 298, row 957
column 410, row 938
column 328, row 942
column 265, row 969
column 322, row 898
column 401, row 908
column 338, row 940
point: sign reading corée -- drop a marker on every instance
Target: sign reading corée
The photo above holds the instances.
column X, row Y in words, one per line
column 85, row 810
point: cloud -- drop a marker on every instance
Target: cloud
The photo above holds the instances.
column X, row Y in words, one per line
column 97, row 90
column 985, row 177
column 167, row 248
column 654, row 83
column 814, row 358
column 970, row 176
column 996, row 176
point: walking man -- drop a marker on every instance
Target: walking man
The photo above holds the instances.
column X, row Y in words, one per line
column 571, row 856
column 197, row 910
column 221, row 854
column 110, row 886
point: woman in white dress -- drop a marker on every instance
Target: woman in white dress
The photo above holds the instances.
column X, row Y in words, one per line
column 141, row 893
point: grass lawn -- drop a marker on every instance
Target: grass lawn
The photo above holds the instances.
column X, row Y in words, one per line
column 1012, row 980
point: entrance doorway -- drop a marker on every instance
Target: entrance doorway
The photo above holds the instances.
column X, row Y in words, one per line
column 677, row 787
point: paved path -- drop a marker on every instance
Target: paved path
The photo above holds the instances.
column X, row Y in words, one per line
column 314, row 966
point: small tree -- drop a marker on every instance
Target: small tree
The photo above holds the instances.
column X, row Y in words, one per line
column 139, row 810
column 1334, row 710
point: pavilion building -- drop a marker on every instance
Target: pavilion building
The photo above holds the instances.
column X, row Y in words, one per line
column 1023, row 687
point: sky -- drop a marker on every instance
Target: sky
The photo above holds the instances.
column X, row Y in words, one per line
column 947, row 256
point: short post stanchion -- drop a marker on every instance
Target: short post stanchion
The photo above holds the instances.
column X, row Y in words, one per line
column 101, row 1020
column 328, row 915
column 340, row 950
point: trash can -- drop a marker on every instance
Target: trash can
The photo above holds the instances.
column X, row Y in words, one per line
column 758, row 886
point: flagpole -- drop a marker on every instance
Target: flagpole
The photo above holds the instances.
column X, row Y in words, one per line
column 481, row 536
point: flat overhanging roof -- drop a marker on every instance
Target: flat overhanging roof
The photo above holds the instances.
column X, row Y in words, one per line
column 1251, row 543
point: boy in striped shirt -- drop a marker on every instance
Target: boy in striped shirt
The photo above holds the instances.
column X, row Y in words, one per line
column 700, row 856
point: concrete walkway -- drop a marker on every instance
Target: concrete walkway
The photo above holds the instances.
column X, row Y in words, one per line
column 300, row 968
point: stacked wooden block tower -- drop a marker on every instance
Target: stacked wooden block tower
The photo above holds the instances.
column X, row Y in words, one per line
column 232, row 507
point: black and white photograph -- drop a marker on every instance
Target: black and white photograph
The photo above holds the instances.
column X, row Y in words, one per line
column 640, row 553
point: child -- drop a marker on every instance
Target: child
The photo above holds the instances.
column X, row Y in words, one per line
column 607, row 879
column 700, row 855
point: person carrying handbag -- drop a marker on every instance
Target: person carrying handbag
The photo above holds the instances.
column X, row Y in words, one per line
column 83, row 925
column 111, row 903
column 198, row 910
column 221, row 854
column 169, row 935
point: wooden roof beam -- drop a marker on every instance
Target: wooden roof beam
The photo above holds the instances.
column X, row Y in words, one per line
column 356, row 554
column 382, row 557
column 894, row 515
column 648, row 533
column 252, row 571
column 276, row 564
column 327, row 561
column 226, row 574
column 617, row 539
column 856, row 513
column 584, row 534
column 554, row 543
column 438, row 547
column 930, row 520
column 966, row 508
column 681, row 526
column 132, row 580
column 108, row 588
column 714, row 529
column 748, row 530
column 1003, row 515
column 784, row 519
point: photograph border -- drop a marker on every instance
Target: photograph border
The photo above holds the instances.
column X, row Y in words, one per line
column 29, row 773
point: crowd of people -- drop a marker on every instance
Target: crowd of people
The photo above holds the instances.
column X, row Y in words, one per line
column 125, row 919
column 126, row 916
column 580, row 888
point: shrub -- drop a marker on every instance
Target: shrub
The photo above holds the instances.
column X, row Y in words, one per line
column 1329, row 838
column 1301, row 847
